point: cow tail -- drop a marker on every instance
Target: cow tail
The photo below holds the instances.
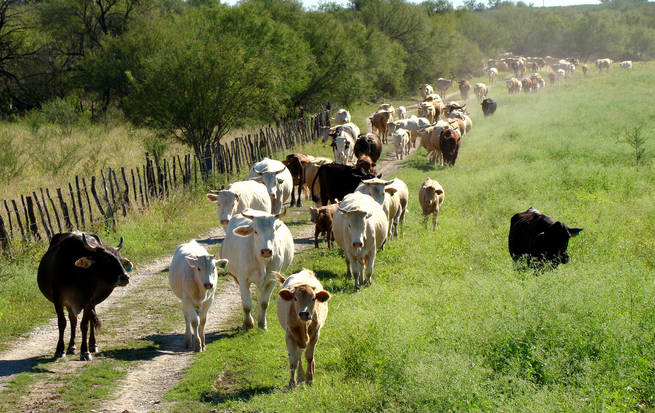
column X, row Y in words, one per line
column 96, row 321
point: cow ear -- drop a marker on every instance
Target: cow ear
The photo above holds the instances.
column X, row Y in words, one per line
column 127, row 264
column 575, row 231
column 280, row 180
column 222, row 263
column 280, row 278
column 193, row 263
column 84, row 262
column 322, row 296
column 212, row 197
column 285, row 294
column 390, row 190
column 243, row 231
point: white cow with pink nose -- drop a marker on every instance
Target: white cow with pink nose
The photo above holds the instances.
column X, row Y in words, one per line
column 192, row 277
column 360, row 227
column 237, row 197
column 277, row 179
column 256, row 244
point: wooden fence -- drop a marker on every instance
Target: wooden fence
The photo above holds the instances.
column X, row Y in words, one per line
column 89, row 202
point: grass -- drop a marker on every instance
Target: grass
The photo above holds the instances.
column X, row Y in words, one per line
column 448, row 323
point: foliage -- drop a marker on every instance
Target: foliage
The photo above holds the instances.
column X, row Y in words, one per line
column 637, row 141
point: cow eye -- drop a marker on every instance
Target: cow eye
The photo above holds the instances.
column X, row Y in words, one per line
column 313, row 298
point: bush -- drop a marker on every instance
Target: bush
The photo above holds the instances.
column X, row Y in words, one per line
column 10, row 164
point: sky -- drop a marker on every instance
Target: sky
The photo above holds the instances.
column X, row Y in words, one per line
column 538, row 3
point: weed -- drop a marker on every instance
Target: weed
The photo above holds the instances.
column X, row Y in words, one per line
column 637, row 141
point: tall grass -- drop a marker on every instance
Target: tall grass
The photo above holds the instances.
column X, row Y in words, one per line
column 448, row 323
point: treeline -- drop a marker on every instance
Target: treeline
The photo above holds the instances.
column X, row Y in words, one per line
column 196, row 68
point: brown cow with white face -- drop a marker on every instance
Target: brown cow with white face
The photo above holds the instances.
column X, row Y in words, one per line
column 302, row 309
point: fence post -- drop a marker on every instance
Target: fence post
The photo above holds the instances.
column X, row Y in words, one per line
column 79, row 201
column 64, row 211
column 20, row 224
column 52, row 204
column 88, row 201
column 4, row 237
column 45, row 225
column 11, row 226
column 70, row 190
column 32, row 218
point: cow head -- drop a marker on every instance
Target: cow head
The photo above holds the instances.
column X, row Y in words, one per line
column 105, row 262
column 356, row 224
column 272, row 181
column 376, row 188
column 262, row 228
column 365, row 163
column 551, row 244
column 204, row 270
column 303, row 298
column 226, row 205
column 343, row 146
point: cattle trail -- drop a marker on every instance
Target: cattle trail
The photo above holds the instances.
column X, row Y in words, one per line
column 147, row 382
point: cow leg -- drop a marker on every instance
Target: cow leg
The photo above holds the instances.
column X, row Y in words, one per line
column 317, row 232
column 369, row 265
column 292, row 350
column 330, row 238
column 191, row 315
column 298, row 200
column 246, row 301
column 356, row 265
column 348, row 273
column 93, row 348
column 61, row 324
column 300, row 372
column 72, row 317
column 293, row 198
column 434, row 220
column 84, row 327
column 203, row 319
column 187, row 330
column 309, row 356
column 264, row 298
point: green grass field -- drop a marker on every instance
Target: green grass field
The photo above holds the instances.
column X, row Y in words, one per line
column 448, row 323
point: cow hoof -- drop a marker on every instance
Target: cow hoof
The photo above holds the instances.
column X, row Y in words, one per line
column 85, row 357
column 247, row 326
column 93, row 349
column 71, row 350
column 292, row 384
column 60, row 355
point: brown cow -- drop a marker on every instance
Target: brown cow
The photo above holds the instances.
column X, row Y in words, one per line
column 379, row 121
column 449, row 143
column 464, row 89
column 366, row 163
column 585, row 68
column 296, row 163
column 322, row 218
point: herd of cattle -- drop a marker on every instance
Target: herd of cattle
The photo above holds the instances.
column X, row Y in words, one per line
column 355, row 208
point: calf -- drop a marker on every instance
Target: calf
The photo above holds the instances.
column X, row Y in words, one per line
column 336, row 181
column 430, row 196
column 368, row 144
column 365, row 163
column 256, row 244
column 237, row 197
column 464, row 89
column 449, row 143
column 322, row 218
column 539, row 238
column 78, row 272
column 192, row 277
column 301, row 310
column 277, row 179
column 379, row 121
column 488, row 107
column 401, row 142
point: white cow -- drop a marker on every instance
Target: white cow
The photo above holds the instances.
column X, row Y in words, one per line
column 413, row 124
column 401, row 142
column 277, row 179
column 493, row 72
column 256, row 244
column 239, row 196
column 360, row 227
column 401, row 112
column 342, row 117
column 386, row 107
column 383, row 193
column 343, row 146
column 402, row 195
column 426, row 90
column 626, row 64
column 428, row 111
column 301, row 310
column 192, row 277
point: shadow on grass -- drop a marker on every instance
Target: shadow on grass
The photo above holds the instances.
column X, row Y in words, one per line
column 422, row 165
column 242, row 395
column 29, row 365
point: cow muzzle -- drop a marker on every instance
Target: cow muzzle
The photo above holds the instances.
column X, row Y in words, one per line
column 266, row 253
column 358, row 244
column 224, row 222
column 305, row 315
column 208, row 286
column 123, row 280
column 272, row 197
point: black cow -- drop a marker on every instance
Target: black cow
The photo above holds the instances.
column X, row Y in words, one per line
column 368, row 144
column 489, row 106
column 539, row 238
column 337, row 181
column 78, row 272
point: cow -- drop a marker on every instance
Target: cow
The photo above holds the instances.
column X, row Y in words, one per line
column 379, row 121
column 336, row 181
column 426, row 90
column 412, row 125
column 488, row 106
column 78, row 272
column 626, row 64
column 526, row 84
column 603, row 64
column 310, row 171
column 539, row 239
column 430, row 196
column 464, row 89
column 401, row 112
column 430, row 137
column 360, row 227
column 513, row 86
column 348, row 127
column 365, row 163
column 192, row 277
column 368, row 144
column 443, row 85
column 343, row 146
column 386, row 107
column 382, row 192
column 493, row 73
column 481, row 90
column 449, row 143
column 239, row 196
column 296, row 163
column 561, row 73
column 585, row 68
column 342, row 117
column 552, row 77
column 402, row 196
column 427, row 110
column 301, row 310
column 256, row 244
column 277, row 179
column 464, row 122
column 401, row 142
column 322, row 219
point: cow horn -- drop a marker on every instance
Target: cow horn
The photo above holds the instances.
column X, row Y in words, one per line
column 86, row 243
column 281, row 214
column 281, row 170
column 247, row 215
column 120, row 244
